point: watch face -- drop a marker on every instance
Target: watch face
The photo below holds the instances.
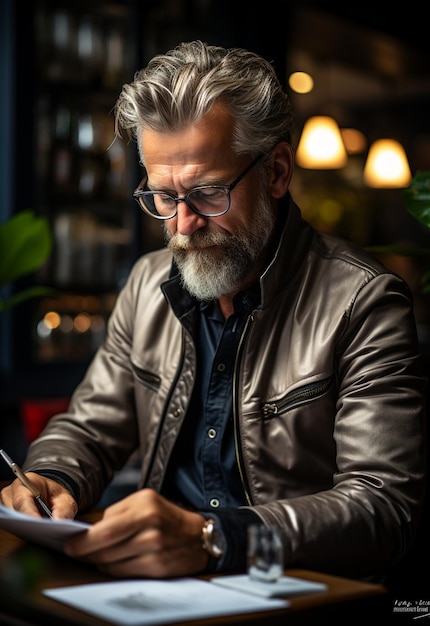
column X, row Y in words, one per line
column 212, row 538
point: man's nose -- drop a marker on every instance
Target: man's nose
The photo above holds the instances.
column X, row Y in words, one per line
column 187, row 220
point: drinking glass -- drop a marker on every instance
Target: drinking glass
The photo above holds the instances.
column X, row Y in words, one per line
column 265, row 553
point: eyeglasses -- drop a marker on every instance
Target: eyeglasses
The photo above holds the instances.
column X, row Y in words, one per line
column 207, row 200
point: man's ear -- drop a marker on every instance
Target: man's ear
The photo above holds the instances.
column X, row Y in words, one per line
column 282, row 169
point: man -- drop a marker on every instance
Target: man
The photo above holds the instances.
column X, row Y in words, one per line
column 264, row 372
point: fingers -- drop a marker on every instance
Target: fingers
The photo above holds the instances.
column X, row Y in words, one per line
column 143, row 535
column 59, row 500
column 165, row 564
column 16, row 496
column 128, row 527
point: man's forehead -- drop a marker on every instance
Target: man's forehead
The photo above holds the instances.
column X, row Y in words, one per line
column 192, row 152
column 214, row 128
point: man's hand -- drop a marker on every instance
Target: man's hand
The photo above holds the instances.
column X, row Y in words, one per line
column 143, row 535
column 58, row 498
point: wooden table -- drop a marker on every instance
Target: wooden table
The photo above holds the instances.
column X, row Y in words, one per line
column 22, row 603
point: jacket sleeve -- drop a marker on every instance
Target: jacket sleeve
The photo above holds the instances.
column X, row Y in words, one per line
column 367, row 520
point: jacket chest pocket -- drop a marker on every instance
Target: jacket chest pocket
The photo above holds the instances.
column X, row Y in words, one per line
column 298, row 397
column 147, row 378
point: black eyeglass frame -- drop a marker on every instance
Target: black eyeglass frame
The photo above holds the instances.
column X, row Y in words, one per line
column 141, row 192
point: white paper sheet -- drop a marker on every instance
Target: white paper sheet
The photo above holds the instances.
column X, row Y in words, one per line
column 51, row 533
column 148, row 602
column 285, row 586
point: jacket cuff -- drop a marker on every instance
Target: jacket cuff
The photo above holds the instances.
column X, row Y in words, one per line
column 233, row 525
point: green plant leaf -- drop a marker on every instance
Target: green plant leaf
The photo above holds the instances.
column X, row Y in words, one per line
column 417, row 197
column 25, row 244
column 26, row 294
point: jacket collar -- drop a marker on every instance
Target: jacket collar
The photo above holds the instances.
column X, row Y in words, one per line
column 293, row 245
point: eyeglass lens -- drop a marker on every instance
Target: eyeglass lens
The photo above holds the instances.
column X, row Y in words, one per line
column 210, row 201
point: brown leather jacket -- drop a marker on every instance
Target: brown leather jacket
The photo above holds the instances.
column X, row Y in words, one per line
column 328, row 400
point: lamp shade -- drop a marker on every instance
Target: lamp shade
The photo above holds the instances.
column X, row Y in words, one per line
column 386, row 165
column 321, row 145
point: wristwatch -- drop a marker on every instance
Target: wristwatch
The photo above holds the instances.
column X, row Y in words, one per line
column 212, row 539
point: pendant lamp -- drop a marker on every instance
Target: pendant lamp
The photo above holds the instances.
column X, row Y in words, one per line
column 321, row 145
column 387, row 165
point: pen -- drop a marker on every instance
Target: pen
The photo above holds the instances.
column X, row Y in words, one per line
column 26, row 482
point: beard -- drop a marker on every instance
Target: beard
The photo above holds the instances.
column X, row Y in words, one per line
column 213, row 264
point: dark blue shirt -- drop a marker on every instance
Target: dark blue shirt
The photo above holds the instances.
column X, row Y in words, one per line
column 203, row 472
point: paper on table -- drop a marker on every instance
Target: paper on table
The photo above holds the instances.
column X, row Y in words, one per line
column 51, row 533
column 150, row 602
column 285, row 586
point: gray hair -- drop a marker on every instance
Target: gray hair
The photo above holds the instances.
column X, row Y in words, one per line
column 178, row 88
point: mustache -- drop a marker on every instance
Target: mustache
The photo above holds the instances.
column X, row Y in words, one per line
column 197, row 240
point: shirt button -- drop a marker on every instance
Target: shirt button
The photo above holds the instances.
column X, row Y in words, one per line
column 214, row 502
column 221, row 367
column 211, row 433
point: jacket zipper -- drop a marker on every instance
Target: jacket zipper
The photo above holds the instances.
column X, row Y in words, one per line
column 298, row 396
column 163, row 417
column 235, row 415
